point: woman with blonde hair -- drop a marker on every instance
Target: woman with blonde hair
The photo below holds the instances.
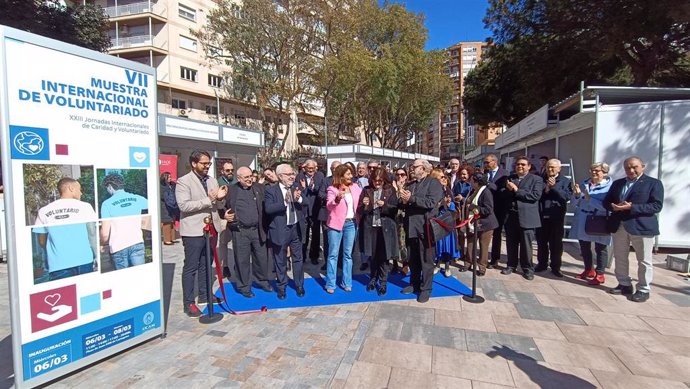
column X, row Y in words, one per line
column 446, row 248
column 589, row 197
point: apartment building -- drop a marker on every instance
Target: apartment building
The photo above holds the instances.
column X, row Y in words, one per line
column 158, row 33
column 450, row 130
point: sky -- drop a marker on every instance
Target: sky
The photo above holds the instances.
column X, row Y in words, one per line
column 451, row 21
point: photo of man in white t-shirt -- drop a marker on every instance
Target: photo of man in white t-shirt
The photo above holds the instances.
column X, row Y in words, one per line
column 66, row 229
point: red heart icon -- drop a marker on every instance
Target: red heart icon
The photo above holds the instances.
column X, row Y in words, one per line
column 52, row 299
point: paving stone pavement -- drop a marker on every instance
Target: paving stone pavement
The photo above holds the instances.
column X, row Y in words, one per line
column 548, row 333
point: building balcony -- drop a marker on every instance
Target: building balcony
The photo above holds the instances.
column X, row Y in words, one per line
column 134, row 40
column 134, row 9
column 131, row 41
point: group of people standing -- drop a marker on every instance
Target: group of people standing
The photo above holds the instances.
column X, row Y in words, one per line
column 384, row 217
column 534, row 207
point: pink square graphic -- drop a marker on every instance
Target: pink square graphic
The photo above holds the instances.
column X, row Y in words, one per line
column 62, row 149
column 107, row 294
column 53, row 307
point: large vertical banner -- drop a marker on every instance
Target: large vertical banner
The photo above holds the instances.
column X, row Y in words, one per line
column 79, row 152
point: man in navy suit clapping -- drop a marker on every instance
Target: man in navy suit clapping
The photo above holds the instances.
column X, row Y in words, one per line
column 286, row 227
column 634, row 202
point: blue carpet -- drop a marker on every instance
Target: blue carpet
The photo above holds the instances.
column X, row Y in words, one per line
column 315, row 294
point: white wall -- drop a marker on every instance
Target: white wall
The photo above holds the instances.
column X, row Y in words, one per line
column 635, row 129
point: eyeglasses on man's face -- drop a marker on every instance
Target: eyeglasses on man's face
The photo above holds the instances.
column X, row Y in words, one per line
column 229, row 170
column 287, row 174
column 521, row 164
column 416, row 166
column 401, row 174
column 205, row 164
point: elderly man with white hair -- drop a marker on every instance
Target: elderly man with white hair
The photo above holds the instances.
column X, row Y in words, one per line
column 244, row 214
column 286, row 228
column 553, row 203
column 417, row 200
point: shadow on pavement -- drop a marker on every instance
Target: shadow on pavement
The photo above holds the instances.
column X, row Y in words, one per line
column 541, row 375
column 7, row 365
column 168, row 277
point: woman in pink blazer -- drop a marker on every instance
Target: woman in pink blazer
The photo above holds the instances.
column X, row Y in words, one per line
column 341, row 201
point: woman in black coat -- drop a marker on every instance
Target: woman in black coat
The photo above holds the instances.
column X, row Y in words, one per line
column 378, row 236
column 170, row 213
column 481, row 201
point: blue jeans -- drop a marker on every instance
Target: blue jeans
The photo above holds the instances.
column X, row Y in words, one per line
column 72, row 271
column 347, row 236
column 128, row 256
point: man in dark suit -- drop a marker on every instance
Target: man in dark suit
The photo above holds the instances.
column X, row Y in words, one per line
column 523, row 191
column 497, row 177
column 311, row 182
column 418, row 200
column 286, row 228
column 634, row 202
column 244, row 214
column 323, row 212
column 557, row 191
column 225, row 178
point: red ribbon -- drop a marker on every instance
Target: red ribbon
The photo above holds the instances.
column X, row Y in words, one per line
column 211, row 230
column 461, row 224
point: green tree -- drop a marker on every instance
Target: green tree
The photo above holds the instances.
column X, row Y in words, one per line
column 544, row 48
column 273, row 49
column 84, row 25
column 86, row 180
column 40, row 188
column 378, row 77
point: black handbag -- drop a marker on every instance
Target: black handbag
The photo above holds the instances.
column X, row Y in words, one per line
column 597, row 224
column 441, row 225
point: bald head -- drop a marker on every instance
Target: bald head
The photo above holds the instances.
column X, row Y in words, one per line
column 334, row 165
column 244, row 176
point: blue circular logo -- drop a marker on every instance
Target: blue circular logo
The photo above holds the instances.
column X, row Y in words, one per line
column 148, row 318
column 28, row 143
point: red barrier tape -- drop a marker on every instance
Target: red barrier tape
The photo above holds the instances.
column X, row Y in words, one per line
column 211, row 230
column 460, row 225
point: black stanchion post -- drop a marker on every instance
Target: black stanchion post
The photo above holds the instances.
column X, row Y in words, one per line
column 210, row 316
column 474, row 298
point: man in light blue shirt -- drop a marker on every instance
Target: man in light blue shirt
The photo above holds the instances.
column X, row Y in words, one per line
column 120, row 202
column 123, row 234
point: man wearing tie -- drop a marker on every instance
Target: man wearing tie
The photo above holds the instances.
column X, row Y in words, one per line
column 523, row 193
column 310, row 182
column 497, row 184
column 286, row 228
column 634, row 202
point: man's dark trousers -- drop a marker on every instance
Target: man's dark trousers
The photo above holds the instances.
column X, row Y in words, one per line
column 517, row 236
column 497, row 237
column 280, row 258
column 311, row 246
column 250, row 257
column 550, row 243
column 194, row 264
column 421, row 259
